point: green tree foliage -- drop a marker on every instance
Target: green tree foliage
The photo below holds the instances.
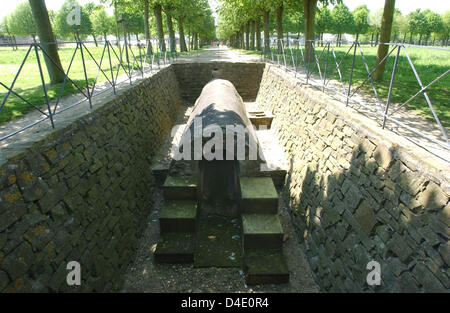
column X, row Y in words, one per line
column 342, row 21
column 21, row 21
column 183, row 10
column 134, row 23
column 435, row 24
column 375, row 24
column 445, row 27
column 89, row 9
column 102, row 23
column 399, row 25
column 65, row 30
column 294, row 19
column 5, row 30
column 361, row 20
column 324, row 21
column 418, row 24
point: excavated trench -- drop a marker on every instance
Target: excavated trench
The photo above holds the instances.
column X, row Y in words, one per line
column 347, row 193
column 191, row 251
column 338, row 192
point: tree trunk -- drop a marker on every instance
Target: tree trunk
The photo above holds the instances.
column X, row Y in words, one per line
column 258, row 34
column 253, row 34
column 404, row 38
column 247, row 36
column 242, row 39
column 159, row 27
column 12, row 40
column 47, row 39
column 376, row 39
column 190, row 38
column 15, row 42
column 147, row 29
column 95, row 40
column 116, row 18
column 309, row 9
column 173, row 42
column 125, row 41
column 386, row 27
column 357, row 35
column 280, row 27
column 420, row 39
column 410, row 37
column 195, row 41
column 183, row 46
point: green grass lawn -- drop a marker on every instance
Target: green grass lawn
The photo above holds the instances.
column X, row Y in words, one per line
column 28, row 84
column 429, row 65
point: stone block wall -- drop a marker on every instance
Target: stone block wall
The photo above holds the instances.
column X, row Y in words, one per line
column 192, row 77
column 359, row 193
column 84, row 192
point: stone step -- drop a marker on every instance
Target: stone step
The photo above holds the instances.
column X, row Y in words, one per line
column 265, row 266
column 258, row 195
column 178, row 216
column 160, row 172
column 175, row 248
column 262, row 231
column 180, row 188
column 261, row 118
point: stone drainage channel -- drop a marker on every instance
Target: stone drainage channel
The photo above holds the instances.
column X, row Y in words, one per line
column 183, row 252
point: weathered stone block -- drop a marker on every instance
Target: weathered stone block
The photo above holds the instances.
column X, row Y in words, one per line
column 400, row 249
column 433, row 197
column 383, row 156
column 444, row 251
column 429, row 282
column 365, row 216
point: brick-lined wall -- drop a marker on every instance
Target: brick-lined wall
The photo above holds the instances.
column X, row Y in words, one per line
column 358, row 193
column 83, row 193
column 192, row 77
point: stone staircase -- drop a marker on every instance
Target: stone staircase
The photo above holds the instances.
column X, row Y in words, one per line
column 262, row 234
column 177, row 221
column 186, row 238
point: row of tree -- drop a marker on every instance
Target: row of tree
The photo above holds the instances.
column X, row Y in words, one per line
column 417, row 24
column 130, row 16
column 167, row 16
column 237, row 17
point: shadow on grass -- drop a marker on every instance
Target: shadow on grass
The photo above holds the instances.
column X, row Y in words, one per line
column 16, row 107
column 429, row 65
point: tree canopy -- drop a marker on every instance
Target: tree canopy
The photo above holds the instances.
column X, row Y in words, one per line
column 63, row 28
column 21, row 22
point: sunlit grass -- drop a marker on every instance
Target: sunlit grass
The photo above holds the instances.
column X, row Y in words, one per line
column 29, row 83
column 429, row 65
